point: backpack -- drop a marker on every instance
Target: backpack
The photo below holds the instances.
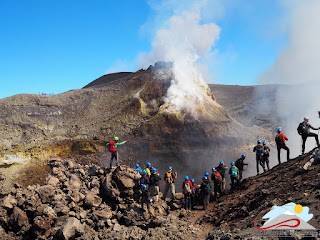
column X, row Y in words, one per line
column 259, row 150
column 186, row 188
column 207, row 188
column 111, row 146
column 278, row 140
column 234, row 172
column 266, row 151
column 167, row 177
column 217, row 176
column 302, row 129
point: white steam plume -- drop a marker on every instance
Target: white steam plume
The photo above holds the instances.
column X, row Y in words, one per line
column 184, row 41
column 298, row 65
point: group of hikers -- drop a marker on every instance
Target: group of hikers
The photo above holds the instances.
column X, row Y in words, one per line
column 211, row 185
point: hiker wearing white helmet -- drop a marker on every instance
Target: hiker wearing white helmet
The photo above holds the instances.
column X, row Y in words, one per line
column 304, row 130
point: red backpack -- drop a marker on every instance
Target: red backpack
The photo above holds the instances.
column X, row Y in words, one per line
column 112, row 146
column 217, row 176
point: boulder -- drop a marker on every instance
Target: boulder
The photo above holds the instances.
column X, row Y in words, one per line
column 70, row 229
column 46, row 193
column 9, row 202
column 92, row 200
column 19, row 221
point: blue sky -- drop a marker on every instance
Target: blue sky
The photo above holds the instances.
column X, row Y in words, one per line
column 56, row 46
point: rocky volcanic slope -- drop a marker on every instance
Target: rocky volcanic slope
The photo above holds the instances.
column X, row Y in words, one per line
column 88, row 202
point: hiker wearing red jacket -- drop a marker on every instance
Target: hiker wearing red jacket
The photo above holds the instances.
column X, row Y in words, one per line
column 280, row 141
column 113, row 149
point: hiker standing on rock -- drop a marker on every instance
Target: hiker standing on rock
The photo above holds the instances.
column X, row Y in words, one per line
column 266, row 154
column 113, row 149
column 145, row 198
column 304, row 131
column 187, row 190
column 280, row 141
column 169, row 178
column 222, row 170
column 195, row 193
column 148, row 169
column 240, row 165
column 205, row 189
column 144, row 179
column 258, row 149
column 154, row 184
column 234, row 175
column 216, row 178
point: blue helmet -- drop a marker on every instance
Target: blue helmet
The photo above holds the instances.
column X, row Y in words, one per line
column 153, row 170
column 137, row 165
column 144, row 172
column 143, row 186
column 206, row 173
column 205, row 178
column 279, row 129
column 221, row 162
column 232, row 163
column 192, row 180
column 170, row 168
column 259, row 141
column 264, row 142
column 148, row 164
column 186, row 178
column 139, row 170
column 243, row 156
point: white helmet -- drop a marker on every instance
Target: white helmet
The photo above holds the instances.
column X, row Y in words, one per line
column 306, row 119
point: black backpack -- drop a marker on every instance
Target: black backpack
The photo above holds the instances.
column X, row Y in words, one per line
column 302, row 129
column 278, row 140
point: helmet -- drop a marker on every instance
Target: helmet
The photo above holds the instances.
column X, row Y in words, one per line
column 264, row 142
column 144, row 172
column 153, row 170
column 170, row 168
column 232, row 163
column 279, row 129
column 306, row 118
column 148, row 164
column 192, row 180
column 221, row 162
column 115, row 138
column 204, row 178
column 186, row 178
column 206, row 173
column 213, row 168
column 139, row 170
column 143, row 186
column 137, row 165
column 243, row 156
column 259, row 141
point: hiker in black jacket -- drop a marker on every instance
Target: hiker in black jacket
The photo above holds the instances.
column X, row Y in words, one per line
column 154, row 184
column 304, row 131
column 240, row 165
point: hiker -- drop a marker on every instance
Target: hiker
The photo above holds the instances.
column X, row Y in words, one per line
column 234, row 175
column 154, row 184
column 205, row 191
column 169, row 178
column 304, row 131
column 258, row 149
column 187, row 190
column 144, row 179
column 280, row 141
column 113, row 148
column 145, row 198
column 195, row 194
column 266, row 154
column 217, row 182
column 240, row 165
column 138, row 169
column 314, row 159
column 222, row 170
column 148, row 169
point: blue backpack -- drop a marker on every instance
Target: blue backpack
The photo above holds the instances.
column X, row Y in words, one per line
column 234, row 172
column 259, row 150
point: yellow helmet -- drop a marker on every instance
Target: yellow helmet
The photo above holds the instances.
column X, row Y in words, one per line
column 115, row 138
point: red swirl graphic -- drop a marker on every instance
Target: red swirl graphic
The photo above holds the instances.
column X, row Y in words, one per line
column 277, row 225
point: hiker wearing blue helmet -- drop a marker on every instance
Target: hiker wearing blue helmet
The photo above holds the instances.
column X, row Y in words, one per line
column 148, row 169
column 205, row 190
column 138, row 169
column 169, row 178
column 222, row 168
column 258, row 149
column 266, row 154
column 240, row 165
column 195, row 193
column 280, row 140
column 144, row 180
column 154, row 184
column 145, row 198
column 217, row 180
column 112, row 146
column 187, row 190
column 234, row 175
